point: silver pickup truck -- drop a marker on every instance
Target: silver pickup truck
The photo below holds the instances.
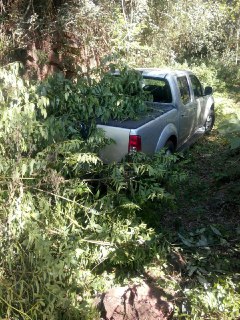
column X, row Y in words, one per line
column 180, row 111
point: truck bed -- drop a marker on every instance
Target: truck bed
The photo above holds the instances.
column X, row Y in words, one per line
column 149, row 126
column 155, row 109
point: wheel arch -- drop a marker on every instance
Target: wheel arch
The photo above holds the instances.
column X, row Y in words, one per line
column 168, row 133
column 209, row 106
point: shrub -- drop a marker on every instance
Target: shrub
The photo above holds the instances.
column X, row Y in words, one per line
column 65, row 216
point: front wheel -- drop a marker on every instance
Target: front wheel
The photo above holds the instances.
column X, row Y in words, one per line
column 209, row 121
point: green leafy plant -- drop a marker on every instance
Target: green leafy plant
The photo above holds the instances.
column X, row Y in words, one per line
column 230, row 129
column 66, row 216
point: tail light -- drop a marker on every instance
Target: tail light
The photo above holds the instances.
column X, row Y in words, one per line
column 135, row 143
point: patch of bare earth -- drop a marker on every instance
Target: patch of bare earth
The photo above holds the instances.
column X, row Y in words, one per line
column 139, row 302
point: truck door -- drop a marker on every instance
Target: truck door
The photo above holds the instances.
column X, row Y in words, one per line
column 198, row 99
column 187, row 110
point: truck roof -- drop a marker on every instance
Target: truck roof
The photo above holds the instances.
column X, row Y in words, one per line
column 162, row 73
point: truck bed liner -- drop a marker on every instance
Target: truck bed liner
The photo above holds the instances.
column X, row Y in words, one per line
column 155, row 110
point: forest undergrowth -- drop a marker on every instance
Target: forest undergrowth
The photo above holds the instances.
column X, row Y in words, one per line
column 72, row 227
column 202, row 269
column 205, row 229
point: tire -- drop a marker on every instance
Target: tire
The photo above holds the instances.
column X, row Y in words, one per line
column 209, row 121
column 169, row 147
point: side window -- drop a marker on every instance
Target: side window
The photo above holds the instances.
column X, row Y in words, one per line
column 197, row 87
column 184, row 89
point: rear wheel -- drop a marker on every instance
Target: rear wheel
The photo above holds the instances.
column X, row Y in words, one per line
column 169, row 147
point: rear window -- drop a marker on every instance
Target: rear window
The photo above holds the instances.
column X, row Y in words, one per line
column 158, row 89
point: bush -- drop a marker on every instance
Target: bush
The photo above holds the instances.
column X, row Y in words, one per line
column 66, row 217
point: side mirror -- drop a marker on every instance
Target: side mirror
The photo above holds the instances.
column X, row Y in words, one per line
column 208, row 91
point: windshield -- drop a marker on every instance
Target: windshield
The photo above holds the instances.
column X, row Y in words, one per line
column 159, row 89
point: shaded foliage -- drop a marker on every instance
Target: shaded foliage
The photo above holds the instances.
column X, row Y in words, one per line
column 52, row 35
column 72, row 226
column 64, row 214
